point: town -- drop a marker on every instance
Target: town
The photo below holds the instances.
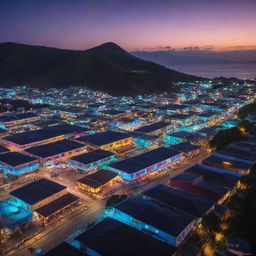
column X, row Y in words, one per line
column 86, row 173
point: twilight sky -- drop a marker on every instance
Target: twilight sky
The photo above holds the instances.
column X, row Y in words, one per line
column 133, row 24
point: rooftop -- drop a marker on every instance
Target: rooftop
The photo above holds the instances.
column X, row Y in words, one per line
column 103, row 138
column 54, row 148
column 178, row 199
column 92, row 156
column 37, row 191
column 111, row 237
column 98, row 179
column 163, row 218
column 137, row 163
column 15, row 158
column 54, row 206
column 152, row 127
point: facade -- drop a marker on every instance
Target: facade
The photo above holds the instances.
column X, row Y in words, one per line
column 43, row 136
column 16, row 163
column 112, row 237
column 59, row 151
column 91, row 160
column 154, row 129
column 37, row 194
column 12, row 121
column 163, row 223
column 146, row 163
column 188, row 150
column 97, row 181
column 108, row 140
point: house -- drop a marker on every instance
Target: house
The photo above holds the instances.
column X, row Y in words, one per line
column 112, row 237
column 186, row 149
column 143, row 164
column 16, row 163
column 43, row 136
column 91, row 160
column 158, row 128
column 56, row 152
column 97, row 181
column 163, row 223
column 108, row 140
column 179, row 200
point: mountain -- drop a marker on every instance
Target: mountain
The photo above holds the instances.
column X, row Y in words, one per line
column 168, row 58
column 106, row 67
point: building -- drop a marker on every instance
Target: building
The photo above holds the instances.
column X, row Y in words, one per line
column 186, row 149
column 16, row 120
column 44, row 136
column 141, row 165
column 59, row 151
column 128, row 124
column 16, row 163
column 163, row 223
column 111, row 237
column 209, row 182
column 91, row 160
column 177, row 137
column 65, row 249
column 227, row 162
column 52, row 209
column 37, row 194
column 108, row 140
column 158, row 128
column 97, row 181
column 179, row 200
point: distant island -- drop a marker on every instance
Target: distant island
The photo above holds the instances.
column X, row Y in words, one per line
column 107, row 67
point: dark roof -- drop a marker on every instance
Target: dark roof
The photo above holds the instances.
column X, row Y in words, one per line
column 227, row 162
column 17, row 117
column 111, row 237
column 45, row 133
column 54, row 148
column 65, row 249
column 215, row 175
column 244, row 154
column 103, row 138
column 137, row 163
column 3, row 149
column 179, row 116
column 54, row 206
column 92, row 156
column 149, row 212
column 178, row 199
column 184, row 147
column 180, row 134
column 152, row 127
column 98, row 179
column 15, row 158
column 36, row 191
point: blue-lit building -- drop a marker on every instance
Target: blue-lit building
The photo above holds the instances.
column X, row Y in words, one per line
column 161, row 222
column 177, row 137
column 112, row 237
column 16, row 163
column 141, row 165
column 91, row 160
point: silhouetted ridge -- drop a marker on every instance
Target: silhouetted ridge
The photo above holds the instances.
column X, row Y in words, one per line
column 106, row 67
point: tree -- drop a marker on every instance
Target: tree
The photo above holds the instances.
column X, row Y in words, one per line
column 115, row 199
column 226, row 137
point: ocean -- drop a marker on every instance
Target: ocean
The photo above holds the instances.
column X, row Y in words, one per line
column 247, row 71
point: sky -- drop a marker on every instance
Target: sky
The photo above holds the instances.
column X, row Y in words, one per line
column 133, row 24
